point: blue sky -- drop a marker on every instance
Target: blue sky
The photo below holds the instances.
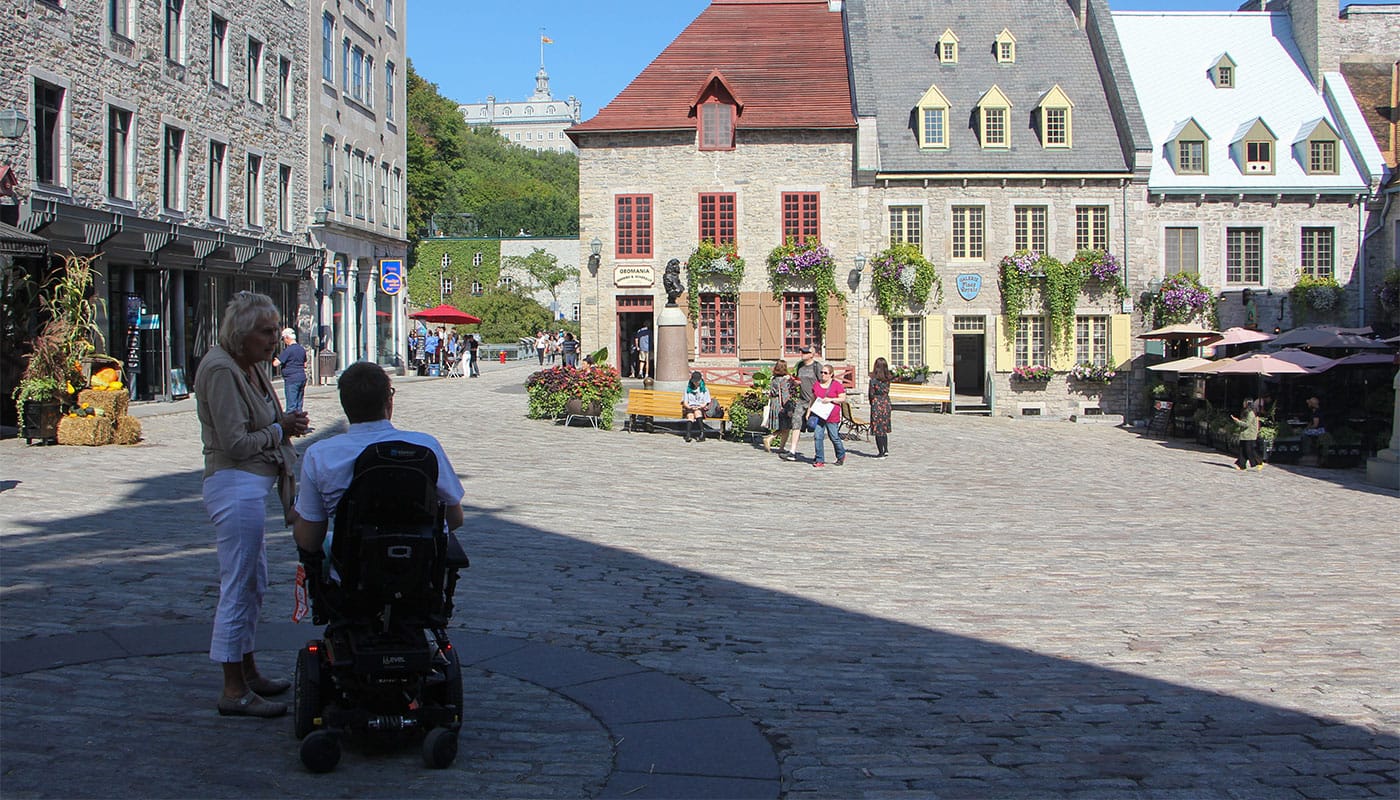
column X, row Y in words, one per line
column 475, row 48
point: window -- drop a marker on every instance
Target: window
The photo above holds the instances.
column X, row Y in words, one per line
column 328, row 48
column 173, row 180
column 346, row 209
column 719, row 328
column 384, row 194
column 1225, row 77
column 389, row 91
column 1244, row 255
column 389, row 13
column 508, row 281
column 1030, row 229
column 1191, row 157
column 328, row 173
column 1317, row 252
column 1091, row 341
column 50, row 131
column 1006, row 47
column 717, row 218
column 1056, row 119
column 369, row 81
column 907, row 341
column 253, row 193
column 633, row 233
column 284, row 87
column 175, row 30
column 284, row 198
column 345, row 66
column 217, row 190
column 1182, row 251
column 1258, row 157
column 935, row 129
column 396, row 203
column 716, row 125
column 1322, row 157
column 907, row 226
column 476, row 288
column 255, row 70
column 369, row 188
column 119, row 152
column 968, row 232
column 948, row 47
column 1030, row 342
column 357, row 73
column 218, row 50
column 799, row 322
column 119, row 17
column 1091, row 227
column 993, row 115
column 801, row 216
column 1056, row 127
column 358, row 167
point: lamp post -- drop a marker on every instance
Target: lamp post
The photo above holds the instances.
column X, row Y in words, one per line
column 595, row 257
column 13, row 123
column 856, row 273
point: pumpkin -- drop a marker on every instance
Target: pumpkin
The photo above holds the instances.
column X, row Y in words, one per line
column 104, row 376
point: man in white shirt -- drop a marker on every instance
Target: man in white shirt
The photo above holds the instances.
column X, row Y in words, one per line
column 328, row 466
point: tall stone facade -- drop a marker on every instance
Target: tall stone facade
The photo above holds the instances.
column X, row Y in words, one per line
column 168, row 141
column 537, row 123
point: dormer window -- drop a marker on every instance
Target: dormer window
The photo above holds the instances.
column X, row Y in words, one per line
column 716, row 110
column 1187, row 148
column 948, row 47
column 1315, row 147
column 933, row 119
column 1222, row 73
column 1055, row 109
column 1005, row 47
column 1254, row 148
column 994, row 116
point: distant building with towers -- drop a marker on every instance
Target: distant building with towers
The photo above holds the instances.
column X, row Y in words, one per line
column 537, row 123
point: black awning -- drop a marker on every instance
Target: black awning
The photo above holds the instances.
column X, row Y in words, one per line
column 15, row 242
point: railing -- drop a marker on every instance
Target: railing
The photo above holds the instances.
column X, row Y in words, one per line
column 989, row 395
column 952, row 394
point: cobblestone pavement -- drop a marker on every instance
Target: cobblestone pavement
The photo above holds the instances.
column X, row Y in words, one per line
column 1000, row 609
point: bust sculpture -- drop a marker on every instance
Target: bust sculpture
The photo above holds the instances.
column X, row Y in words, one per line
column 672, row 281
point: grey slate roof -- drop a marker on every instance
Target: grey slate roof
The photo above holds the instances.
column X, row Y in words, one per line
column 894, row 60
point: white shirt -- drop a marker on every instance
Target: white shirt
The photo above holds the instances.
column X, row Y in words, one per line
column 328, row 465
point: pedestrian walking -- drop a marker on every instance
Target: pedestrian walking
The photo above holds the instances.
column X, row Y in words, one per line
column 247, row 446
column 541, row 346
column 808, row 371
column 642, row 341
column 569, row 347
column 473, row 345
column 878, row 393
column 1248, row 423
column 825, row 410
column 292, row 362
column 781, row 391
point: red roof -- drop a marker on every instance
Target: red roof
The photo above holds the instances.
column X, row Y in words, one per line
column 783, row 60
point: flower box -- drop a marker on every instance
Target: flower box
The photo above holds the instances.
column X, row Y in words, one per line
column 1032, row 374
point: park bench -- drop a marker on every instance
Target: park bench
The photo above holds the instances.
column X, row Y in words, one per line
column 920, row 394
column 650, row 404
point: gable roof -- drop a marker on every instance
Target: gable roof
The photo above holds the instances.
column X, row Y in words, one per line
column 785, row 58
column 1271, row 82
column 894, row 59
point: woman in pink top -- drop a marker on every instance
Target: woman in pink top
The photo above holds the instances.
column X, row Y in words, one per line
column 829, row 390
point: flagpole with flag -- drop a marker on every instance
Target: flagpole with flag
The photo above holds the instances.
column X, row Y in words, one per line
column 544, row 40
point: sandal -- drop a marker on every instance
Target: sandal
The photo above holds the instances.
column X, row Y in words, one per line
column 250, row 705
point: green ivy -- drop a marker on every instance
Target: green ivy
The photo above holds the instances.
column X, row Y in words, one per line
column 901, row 276
column 792, row 263
column 426, row 266
column 717, row 265
column 1063, row 283
column 1018, row 271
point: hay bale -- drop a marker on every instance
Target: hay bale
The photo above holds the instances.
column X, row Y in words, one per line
column 128, row 430
column 113, row 404
column 89, row 431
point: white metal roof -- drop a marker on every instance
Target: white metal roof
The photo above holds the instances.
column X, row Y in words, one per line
column 1169, row 56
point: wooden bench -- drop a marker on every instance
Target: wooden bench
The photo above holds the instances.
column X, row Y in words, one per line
column 654, row 404
column 920, row 394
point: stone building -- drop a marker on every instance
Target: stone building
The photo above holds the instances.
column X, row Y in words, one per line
column 169, row 139
column 356, row 145
column 537, row 123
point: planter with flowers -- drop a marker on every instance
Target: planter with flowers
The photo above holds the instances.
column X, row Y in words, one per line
column 715, row 266
column 903, row 279
column 1388, row 293
column 549, row 391
column 54, row 371
column 1020, row 274
column 1093, row 375
column 1033, row 374
column 796, row 264
column 1102, row 272
column 1315, row 299
column 910, row 374
column 1182, row 298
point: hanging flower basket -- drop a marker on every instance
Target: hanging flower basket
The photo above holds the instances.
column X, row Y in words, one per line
column 902, row 278
column 811, row 262
column 1183, row 298
column 1389, row 291
column 1020, row 273
column 718, row 266
column 1102, row 270
column 1315, row 298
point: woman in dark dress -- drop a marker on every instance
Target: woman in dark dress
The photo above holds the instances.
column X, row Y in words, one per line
column 879, row 395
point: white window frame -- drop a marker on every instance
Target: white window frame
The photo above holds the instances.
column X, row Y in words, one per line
column 1091, row 232
column 1317, row 270
column 120, row 20
column 218, row 50
column 1037, row 215
column 389, row 90
column 1170, row 268
column 971, row 244
column 174, row 188
column 58, row 150
column 253, row 191
column 907, row 337
column 255, row 59
column 122, row 174
column 901, row 228
column 328, row 150
column 328, row 48
column 174, row 31
column 216, row 185
column 1031, row 336
column 284, row 198
column 285, row 100
column 1092, row 342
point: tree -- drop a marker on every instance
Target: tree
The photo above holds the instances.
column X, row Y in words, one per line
column 544, row 271
column 507, row 315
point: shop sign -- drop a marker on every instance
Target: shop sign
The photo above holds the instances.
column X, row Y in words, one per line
column 634, row 277
column 391, row 275
column 969, row 286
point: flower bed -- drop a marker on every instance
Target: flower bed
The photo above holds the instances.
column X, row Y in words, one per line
column 550, row 389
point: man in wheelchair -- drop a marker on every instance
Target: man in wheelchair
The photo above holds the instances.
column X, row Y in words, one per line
column 384, row 585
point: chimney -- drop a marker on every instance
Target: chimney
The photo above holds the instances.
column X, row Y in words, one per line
column 1080, row 10
column 1316, row 32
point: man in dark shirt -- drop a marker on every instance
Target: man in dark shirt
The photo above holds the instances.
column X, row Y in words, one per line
column 473, row 344
column 292, row 361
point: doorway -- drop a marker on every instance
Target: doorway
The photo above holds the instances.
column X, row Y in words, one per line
column 633, row 313
column 969, row 356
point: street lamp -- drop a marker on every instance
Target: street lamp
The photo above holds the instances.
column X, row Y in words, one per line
column 595, row 257
column 858, row 271
column 13, row 123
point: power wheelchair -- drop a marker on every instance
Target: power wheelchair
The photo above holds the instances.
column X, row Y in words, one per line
column 384, row 669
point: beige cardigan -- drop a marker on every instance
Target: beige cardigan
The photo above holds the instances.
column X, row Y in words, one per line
column 236, row 421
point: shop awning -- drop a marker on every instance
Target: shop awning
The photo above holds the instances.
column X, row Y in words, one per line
column 15, row 242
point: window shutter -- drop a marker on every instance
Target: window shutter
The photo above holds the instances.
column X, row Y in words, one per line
column 1006, row 346
column 770, row 326
column 1120, row 339
column 879, row 337
column 1062, row 356
column 750, row 327
column 933, row 342
column 835, row 333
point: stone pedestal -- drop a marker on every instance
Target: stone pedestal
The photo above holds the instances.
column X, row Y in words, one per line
column 672, row 368
column 1384, row 469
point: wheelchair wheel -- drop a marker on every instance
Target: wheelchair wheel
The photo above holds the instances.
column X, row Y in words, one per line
column 440, row 748
column 306, row 706
column 320, row 751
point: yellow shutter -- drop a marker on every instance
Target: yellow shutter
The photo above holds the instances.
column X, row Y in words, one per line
column 1061, row 353
column 1120, row 339
column 933, row 343
column 1006, row 346
column 879, row 338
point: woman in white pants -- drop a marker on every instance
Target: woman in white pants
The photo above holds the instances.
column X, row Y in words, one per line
column 246, row 439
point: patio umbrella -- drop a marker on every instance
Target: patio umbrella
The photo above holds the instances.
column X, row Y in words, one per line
column 1362, row 360
column 1181, row 330
column 1181, row 364
column 445, row 315
column 1283, row 362
column 1329, row 336
column 1238, row 336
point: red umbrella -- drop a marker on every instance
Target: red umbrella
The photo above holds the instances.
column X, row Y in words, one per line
column 445, row 315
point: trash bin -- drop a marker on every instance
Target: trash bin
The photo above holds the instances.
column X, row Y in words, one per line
column 325, row 365
column 434, row 371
